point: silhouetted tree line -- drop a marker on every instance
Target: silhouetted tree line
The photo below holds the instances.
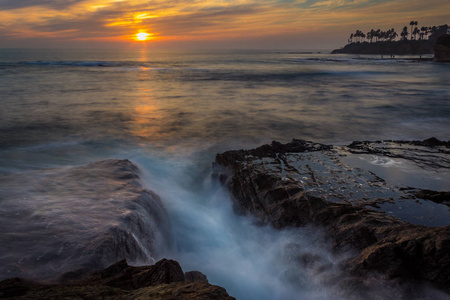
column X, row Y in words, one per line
column 411, row 40
column 431, row 33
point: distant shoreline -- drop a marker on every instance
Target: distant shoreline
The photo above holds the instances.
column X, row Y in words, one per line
column 387, row 57
column 392, row 48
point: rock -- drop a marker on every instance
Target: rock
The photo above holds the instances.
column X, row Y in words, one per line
column 431, row 152
column 409, row 252
column 121, row 275
column 438, row 197
column 164, row 280
column 442, row 49
column 125, row 277
column 78, row 219
column 303, row 183
column 196, row 276
column 311, row 182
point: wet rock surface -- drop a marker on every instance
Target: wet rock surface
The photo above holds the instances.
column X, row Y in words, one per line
column 78, row 219
column 393, row 229
column 164, row 280
column 430, row 153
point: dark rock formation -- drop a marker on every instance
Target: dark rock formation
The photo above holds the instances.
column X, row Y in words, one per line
column 442, row 49
column 438, row 197
column 196, row 276
column 78, row 219
column 130, row 278
column 403, row 47
column 304, row 183
column 164, row 280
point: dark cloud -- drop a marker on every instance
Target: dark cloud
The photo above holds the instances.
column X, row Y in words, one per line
column 343, row 4
column 57, row 4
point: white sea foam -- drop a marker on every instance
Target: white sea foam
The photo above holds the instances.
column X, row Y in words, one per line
column 251, row 262
column 382, row 161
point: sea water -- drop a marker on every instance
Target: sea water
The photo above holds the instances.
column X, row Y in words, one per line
column 170, row 112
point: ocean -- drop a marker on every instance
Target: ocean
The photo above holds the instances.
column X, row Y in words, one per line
column 171, row 112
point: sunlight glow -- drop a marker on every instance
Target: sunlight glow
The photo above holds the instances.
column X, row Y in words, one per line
column 142, row 36
column 143, row 16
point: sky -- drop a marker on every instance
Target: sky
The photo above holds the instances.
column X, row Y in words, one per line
column 215, row 24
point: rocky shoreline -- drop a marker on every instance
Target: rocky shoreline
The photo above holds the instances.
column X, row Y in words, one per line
column 65, row 209
column 163, row 280
column 393, row 240
column 302, row 183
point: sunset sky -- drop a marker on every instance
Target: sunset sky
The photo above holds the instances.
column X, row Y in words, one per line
column 268, row 24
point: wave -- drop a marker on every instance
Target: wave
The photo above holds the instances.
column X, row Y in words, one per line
column 70, row 63
column 355, row 59
column 318, row 59
column 116, row 65
column 198, row 73
column 281, row 77
column 110, row 65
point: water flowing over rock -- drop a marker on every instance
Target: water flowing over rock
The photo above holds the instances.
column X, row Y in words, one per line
column 77, row 219
column 398, row 232
column 164, row 280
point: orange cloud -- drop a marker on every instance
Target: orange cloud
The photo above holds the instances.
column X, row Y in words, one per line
column 209, row 20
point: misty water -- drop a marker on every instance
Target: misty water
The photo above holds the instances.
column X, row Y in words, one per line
column 171, row 112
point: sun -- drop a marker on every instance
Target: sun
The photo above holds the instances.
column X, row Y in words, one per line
column 142, row 36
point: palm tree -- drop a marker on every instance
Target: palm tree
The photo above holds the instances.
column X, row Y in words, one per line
column 415, row 24
column 412, row 23
column 372, row 34
column 359, row 35
column 378, row 34
column 404, row 33
column 416, row 32
column 433, row 29
column 393, row 36
column 423, row 32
